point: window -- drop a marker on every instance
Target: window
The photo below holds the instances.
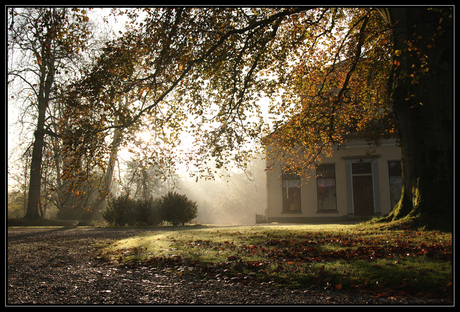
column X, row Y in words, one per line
column 394, row 172
column 325, row 186
column 291, row 192
column 361, row 168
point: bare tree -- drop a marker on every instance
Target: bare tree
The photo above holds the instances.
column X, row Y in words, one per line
column 41, row 41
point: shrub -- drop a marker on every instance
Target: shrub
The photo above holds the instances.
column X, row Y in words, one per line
column 117, row 211
column 148, row 212
column 178, row 209
column 174, row 208
column 124, row 210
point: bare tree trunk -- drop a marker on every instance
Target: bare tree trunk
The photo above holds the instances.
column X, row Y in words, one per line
column 46, row 81
column 107, row 178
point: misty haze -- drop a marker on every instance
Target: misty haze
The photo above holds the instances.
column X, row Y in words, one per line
column 229, row 200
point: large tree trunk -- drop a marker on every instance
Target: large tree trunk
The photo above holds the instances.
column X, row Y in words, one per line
column 104, row 188
column 35, row 178
column 46, row 81
column 422, row 83
column 106, row 183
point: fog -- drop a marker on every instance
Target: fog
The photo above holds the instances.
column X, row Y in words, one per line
column 233, row 199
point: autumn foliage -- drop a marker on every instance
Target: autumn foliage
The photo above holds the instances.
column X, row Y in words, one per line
column 301, row 77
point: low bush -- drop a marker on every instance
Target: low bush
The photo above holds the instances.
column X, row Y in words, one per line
column 117, row 211
column 147, row 212
column 178, row 209
column 124, row 210
column 174, row 208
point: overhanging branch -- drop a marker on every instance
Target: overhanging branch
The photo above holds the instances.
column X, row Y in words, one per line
column 199, row 60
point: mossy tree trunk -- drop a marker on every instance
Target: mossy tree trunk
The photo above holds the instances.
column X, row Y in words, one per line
column 421, row 85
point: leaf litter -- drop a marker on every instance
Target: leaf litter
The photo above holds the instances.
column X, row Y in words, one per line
column 299, row 259
column 203, row 274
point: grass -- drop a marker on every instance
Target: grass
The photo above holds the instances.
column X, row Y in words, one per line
column 363, row 258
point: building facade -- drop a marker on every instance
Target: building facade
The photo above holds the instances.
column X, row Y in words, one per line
column 352, row 183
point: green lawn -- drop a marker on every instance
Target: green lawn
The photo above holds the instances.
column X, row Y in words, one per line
column 360, row 258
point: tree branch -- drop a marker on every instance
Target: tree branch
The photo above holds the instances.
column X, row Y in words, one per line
column 206, row 54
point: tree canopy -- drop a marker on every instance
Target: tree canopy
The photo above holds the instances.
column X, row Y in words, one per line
column 204, row 71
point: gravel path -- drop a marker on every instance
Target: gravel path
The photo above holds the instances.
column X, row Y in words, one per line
column 57, row 266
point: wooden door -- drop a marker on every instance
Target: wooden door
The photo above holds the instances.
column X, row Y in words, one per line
column 363, row 197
